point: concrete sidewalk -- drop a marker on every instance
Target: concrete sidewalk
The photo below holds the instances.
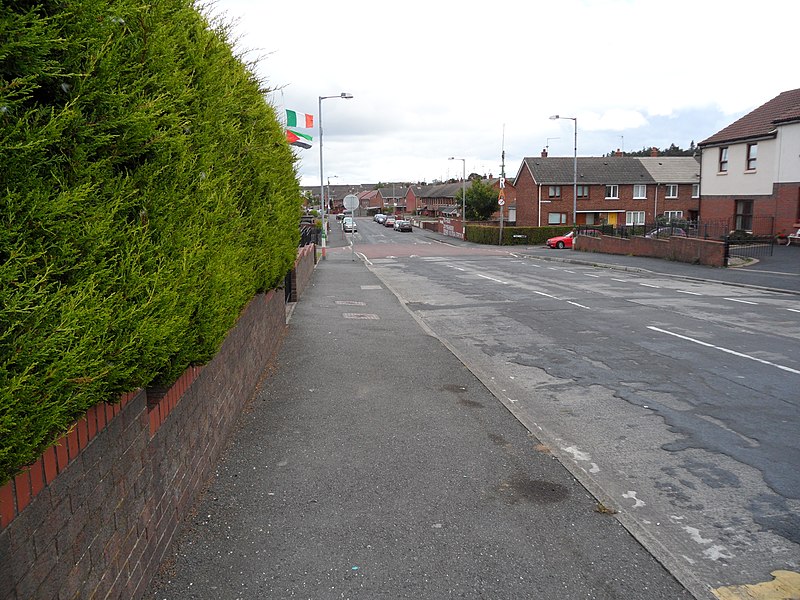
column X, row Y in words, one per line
column 373, row 464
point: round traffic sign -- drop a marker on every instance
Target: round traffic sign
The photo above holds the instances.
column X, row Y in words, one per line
column 351, row 201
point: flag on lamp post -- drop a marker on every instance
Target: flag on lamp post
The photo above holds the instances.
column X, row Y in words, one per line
column 297, row 119
column 296, row 138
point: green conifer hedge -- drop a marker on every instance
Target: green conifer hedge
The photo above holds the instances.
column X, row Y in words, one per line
column 146, row 194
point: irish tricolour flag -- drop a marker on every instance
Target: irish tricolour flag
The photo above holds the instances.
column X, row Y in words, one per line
column 296, row 119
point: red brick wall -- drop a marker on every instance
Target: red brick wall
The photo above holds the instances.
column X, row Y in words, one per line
column 680, row 249
column 96, row 514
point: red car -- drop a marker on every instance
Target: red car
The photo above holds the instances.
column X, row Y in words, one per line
column 565, row 241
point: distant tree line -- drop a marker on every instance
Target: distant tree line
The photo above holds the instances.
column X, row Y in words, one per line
column 673, row 150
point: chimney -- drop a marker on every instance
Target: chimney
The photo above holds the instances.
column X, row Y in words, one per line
column 618, row 152
column 654, row 152
column 544, row 153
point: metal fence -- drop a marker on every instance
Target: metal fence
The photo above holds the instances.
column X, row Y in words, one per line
column 758, row 229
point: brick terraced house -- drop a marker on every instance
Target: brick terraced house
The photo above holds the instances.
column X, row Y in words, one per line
column 614, row 190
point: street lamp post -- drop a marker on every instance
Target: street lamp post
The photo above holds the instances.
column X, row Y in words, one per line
column 463, row 196
column 329, row 185
column 322, row 172
column 574, row 169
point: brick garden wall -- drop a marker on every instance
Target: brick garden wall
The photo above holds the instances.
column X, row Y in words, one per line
column 681, row 249
column 94, row 517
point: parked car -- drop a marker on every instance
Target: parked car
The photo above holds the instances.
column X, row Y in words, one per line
column 349, row 225
column 565, row 241
column 665, row 232
column 379, row 218
column 402, row 225
column 389, row 222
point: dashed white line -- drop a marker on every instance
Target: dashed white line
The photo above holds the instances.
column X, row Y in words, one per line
column 578, row 305
column 726, row 350
column 793, row 310
column 650, row 285
column 620, row 280
column 741, row 301
column 545, row 295
column 492, row 279
column 688, row 292
column 595, row 276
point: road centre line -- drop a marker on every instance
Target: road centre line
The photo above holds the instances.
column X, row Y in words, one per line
column 650, row 285
column 492, row 279
column 545, row 295
column 726, row 350
column 688, row 292
column 741, row 301
column 578, row 305
column 793, row 310
column 590, row 275
column 620, row 280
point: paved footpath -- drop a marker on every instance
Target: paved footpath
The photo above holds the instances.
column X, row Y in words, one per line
column 373, row 464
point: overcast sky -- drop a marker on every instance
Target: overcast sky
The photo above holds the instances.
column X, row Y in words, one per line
column 466, row 78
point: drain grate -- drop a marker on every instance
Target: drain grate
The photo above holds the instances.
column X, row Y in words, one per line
column 371, row 287
column 351, row 303
column 363, row 316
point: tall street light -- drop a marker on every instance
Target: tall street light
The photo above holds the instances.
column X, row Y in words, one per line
column 574, row 169
column 463, row 196
column 321, row 171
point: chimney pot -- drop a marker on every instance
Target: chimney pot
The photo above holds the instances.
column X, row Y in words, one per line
column 544, row 153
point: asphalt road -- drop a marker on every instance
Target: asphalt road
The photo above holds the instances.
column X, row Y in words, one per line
column 674, row 399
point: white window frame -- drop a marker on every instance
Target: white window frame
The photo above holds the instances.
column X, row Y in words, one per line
column 673, row 215
column 672, row 190
column 614, row 189
column 639, row 191
column 695, row 190
column 555, row 218
column 634, row 217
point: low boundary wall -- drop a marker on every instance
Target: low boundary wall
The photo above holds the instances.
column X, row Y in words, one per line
column 95, row 515
column 680, row 249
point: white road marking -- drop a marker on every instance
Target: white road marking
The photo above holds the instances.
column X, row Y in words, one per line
column 688, row 292
column 545, row 295
column 595, row 276
column 578, row 305
column 492, row 279
column 793, row 310
column 650, row 285
column 742, row 301
column 726, row 350
column 620, row 280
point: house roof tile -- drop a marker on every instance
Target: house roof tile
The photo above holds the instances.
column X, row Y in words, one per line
column 673, row 169
column 558, row 170
column 760, row 122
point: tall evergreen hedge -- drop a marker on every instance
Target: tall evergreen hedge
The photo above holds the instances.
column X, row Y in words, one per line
column 146, row 194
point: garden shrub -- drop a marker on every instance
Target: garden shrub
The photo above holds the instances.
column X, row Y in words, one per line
column 147, row 193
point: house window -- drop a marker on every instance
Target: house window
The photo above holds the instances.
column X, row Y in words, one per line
column 752, row 156
column 673, row 215
column 672, row 190
column 554, row 192
column 556, row 218
column 723, row 160
column 744, row 215
column 634, row 217
column 640, row 192
column 582, row 191
column 612, row 192
column 695, row 190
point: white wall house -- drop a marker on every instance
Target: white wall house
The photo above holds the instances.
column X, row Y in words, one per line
column 750, row 170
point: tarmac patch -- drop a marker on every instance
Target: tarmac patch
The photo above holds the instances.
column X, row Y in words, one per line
column 785, row 586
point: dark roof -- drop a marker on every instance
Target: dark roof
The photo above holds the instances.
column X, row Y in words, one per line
column 444, row 190
column 760, row 122
column 558, row 170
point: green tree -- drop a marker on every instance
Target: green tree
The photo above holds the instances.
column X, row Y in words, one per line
column 481, row 200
